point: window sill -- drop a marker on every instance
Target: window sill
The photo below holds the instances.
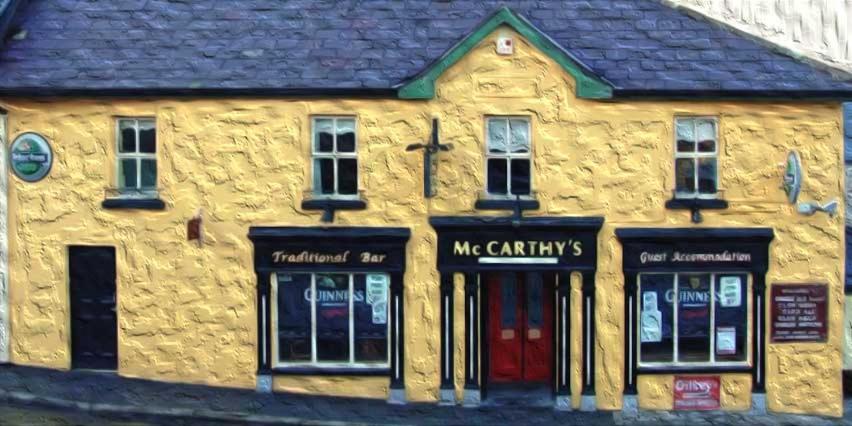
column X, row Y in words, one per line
column 331, row 371
column 705, row 369
column 506, row 204
column 134, row 203
column 330, row 205
column 695, row 205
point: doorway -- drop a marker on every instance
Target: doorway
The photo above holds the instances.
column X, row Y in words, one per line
column 520, row 335
column 94, row 328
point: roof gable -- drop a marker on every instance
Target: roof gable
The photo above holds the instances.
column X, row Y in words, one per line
column 589, row 85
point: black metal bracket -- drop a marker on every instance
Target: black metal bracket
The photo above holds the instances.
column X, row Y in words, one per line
column 695, row 205
column 329, row 206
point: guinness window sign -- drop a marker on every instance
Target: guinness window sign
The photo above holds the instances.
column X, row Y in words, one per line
column 31, row 157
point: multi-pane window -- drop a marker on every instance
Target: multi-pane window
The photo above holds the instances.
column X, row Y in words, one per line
column 331, row 319
column 696, row 158
column 137, row 156
column 508, row 156
column 335, row 166
column 693, row 319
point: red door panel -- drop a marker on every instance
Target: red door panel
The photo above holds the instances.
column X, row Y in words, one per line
column 520, row 309
column 538, row 343
column 505, row 319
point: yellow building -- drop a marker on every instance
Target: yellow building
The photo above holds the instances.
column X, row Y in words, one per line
column 590, row 220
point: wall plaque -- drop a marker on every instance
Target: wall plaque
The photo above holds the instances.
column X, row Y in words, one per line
column 799, row 313
column 31, row 157
column 696, row 392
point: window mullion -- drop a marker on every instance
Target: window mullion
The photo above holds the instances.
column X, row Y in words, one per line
column 351, row 319
column 695, row 174
column 712, row 318
column 509, row 176
column 313, row 318
column 675, row 336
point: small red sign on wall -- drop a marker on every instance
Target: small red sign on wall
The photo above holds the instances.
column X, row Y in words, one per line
column 696, row 392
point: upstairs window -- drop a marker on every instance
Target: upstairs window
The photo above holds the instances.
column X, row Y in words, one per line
column 335, row 159
column 137, row 157
column 508, row 157
column 696, row 158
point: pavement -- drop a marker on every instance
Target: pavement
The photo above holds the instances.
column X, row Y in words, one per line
column 36, row 396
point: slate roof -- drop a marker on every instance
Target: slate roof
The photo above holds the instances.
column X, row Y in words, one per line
column 641, row 46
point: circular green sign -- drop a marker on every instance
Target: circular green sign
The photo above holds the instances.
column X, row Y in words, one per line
column 31, row 157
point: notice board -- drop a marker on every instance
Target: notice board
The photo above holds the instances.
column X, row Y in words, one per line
column 799, row 313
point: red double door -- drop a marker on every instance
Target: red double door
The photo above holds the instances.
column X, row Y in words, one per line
column 520, row 331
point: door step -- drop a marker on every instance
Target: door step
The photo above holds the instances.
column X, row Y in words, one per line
column 519, row 395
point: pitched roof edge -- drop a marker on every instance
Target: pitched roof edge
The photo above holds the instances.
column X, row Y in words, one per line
column 207, row 92
column 797, row 55
column 589, row 85
column 7, row 14
column 747, row 95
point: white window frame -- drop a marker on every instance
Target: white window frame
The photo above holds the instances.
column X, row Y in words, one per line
column 712, row 332
column 335, row 156
column 137, row 191
column 695, row 156
column 276, row 359
column 508, row 156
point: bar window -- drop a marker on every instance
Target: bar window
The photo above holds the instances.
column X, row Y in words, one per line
column 508, row 163
column 136, row 157
column 693, row 319
column 331, row 319
column 696, row 158
column 335, row 160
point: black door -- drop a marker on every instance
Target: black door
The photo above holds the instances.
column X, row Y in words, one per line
column 94, row 331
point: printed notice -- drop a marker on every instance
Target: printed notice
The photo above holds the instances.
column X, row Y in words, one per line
column 377, row 297
column 730, row 291
column 726, row 340
column 799, row 313
column 651, row 320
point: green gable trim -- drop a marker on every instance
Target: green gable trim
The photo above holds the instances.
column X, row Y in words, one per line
column 589, row 86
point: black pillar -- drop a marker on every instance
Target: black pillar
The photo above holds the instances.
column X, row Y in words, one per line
column 588, row 333
column 447, row 335
column 631, row 344
column 471, row 332
column 264, row 325
column 563, row 338
column 758, row 333
column 397, row 332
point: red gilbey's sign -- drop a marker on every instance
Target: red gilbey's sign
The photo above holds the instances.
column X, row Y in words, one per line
column 696, row 392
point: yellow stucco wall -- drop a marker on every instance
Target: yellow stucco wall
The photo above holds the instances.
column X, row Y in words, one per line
column 186, row 313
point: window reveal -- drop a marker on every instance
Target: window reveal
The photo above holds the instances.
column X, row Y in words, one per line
column 136, row 156
column 335, row 165
column 696, row 158
column 331, row 319
column 693, row 319
column 508, row 156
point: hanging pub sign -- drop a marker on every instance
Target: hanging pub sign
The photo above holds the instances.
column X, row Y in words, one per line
column 793, row 177
column 30, row 157
column 799, row 313
column 696, row 392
